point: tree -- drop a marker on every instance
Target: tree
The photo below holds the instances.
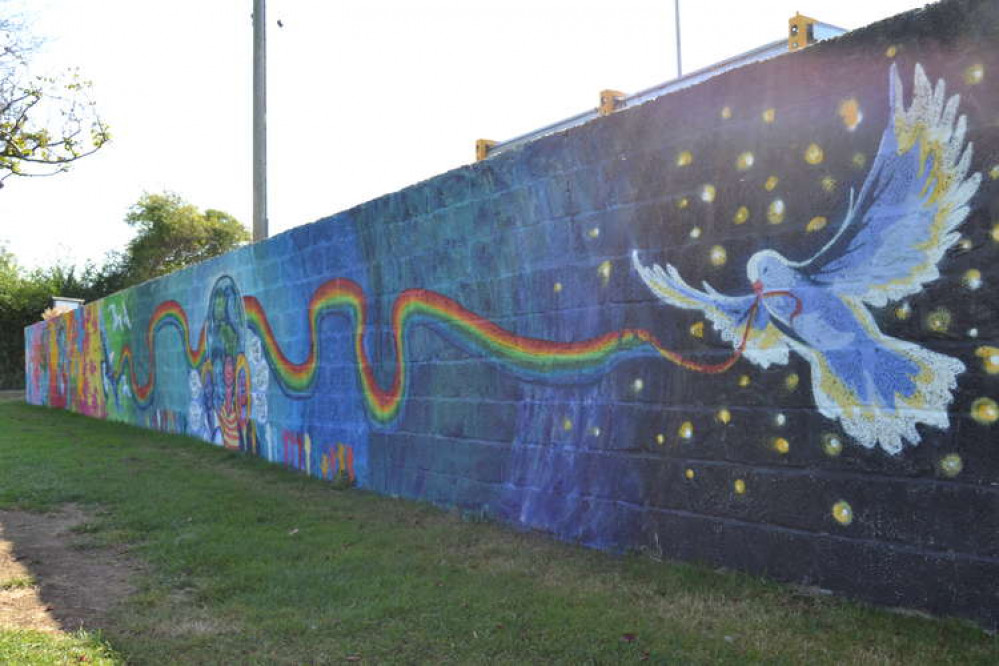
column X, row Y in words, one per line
column 46, row 122
column 173, row 233
column 8, row 271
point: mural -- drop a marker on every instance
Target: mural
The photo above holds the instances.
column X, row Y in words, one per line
column 515, row 337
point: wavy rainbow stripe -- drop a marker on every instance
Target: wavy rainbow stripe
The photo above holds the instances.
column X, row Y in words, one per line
column 522, row 355
column 167, row 313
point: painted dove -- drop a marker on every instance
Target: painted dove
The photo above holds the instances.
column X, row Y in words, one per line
column 888, row 246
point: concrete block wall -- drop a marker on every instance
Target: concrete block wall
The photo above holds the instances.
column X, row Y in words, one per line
column 498, row 339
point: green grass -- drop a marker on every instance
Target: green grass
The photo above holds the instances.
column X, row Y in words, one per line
column 31, row 648
column 18, row 583
column 228, row 579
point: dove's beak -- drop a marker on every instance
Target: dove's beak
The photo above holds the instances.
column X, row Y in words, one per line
column 758, row 287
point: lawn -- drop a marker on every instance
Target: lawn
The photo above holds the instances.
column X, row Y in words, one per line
column 240, row 561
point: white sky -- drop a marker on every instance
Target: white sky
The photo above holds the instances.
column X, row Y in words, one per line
column 365, row 96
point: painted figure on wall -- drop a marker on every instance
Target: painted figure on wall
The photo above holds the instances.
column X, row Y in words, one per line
column 228, row 387
column 226, row 375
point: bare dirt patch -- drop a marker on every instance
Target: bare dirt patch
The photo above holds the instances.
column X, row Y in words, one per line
column 47, row 582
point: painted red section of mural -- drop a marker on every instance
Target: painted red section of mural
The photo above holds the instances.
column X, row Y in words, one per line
column 69, row 374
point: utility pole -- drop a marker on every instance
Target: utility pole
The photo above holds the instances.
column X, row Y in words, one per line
column 259, row 121
column 679, row 66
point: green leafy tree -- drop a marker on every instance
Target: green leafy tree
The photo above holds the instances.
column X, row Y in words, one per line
column 46, row 122
column 173, row 233
column 8, row 273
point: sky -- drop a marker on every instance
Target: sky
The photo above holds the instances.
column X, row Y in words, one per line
column 365, row 97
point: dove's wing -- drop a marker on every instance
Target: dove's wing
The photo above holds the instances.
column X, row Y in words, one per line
column 914, row 198
column 728, row 314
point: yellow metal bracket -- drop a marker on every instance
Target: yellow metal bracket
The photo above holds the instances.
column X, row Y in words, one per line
column 482, row 148
column 800, row 32
column 609, row 100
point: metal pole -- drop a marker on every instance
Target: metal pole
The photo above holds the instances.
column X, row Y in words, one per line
column 679, row 65
column 259, row 121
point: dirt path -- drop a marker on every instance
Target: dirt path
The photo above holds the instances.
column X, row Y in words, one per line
column 48, row 582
